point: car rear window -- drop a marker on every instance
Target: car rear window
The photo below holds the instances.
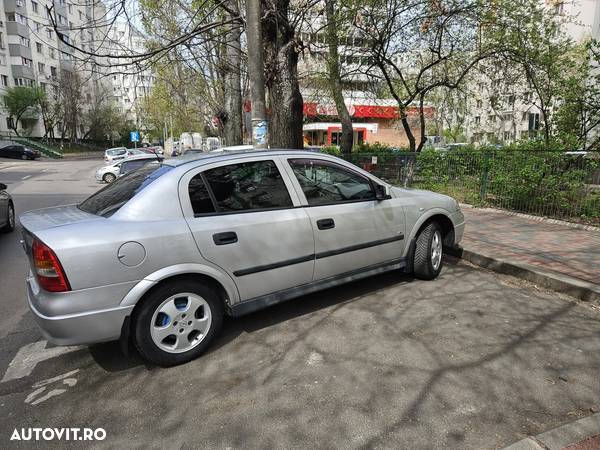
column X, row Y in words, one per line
column 110, row 199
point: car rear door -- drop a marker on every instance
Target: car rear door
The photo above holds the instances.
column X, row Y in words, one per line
column 353, row 230
column 245, row 218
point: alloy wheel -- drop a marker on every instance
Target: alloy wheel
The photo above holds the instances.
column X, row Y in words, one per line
column 436, row 250
column 180, row 323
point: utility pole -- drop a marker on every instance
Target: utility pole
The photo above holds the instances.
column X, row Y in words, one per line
column 256, row 74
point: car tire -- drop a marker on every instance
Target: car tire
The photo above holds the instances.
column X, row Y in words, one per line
column 10, row 225
column 24, row 157
column 428, row 261
column 179, row 345
column 108, row 178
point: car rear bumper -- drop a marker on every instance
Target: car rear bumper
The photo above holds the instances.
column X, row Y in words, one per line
column 79, row 328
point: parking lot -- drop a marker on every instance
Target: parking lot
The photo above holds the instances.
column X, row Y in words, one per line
column 470, row 360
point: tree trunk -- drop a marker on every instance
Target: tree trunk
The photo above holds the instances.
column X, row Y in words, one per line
column 256, row 71
column 422, row 139
column 233, row 88
column 281, row 66
column 412, row 143
column 335, row 79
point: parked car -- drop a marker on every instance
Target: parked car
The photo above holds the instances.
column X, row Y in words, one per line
column 154, row 150
column 7, row 210
column 110, row 173
column 115, row 154
column 19, row 151
column 160, row 255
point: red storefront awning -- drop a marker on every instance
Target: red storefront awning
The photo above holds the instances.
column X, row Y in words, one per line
column 312, row 109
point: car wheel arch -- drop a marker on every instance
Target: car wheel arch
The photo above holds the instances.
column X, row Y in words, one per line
column 226, row 290
column 441, row 217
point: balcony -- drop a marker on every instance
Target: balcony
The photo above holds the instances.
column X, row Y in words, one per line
column 19, row 50
column 22, row 72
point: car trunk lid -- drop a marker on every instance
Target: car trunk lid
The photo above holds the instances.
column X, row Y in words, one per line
column 42, row 219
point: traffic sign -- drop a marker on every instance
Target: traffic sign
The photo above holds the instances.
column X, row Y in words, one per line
column 134, row 136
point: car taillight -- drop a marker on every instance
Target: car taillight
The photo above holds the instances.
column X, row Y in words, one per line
column 48, row 269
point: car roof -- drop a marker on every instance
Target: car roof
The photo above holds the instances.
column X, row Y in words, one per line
column 210, row 157
column 137, row 157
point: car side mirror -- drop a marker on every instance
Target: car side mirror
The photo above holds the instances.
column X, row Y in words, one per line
column 382, row 192
column 2, row 186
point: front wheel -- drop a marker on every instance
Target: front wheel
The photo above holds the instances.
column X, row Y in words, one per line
column 109, row 178
column 177, row 322
column 428, row 261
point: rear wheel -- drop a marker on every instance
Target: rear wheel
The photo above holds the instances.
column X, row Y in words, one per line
column 109, row 177
column 10, row 224
column 177, row 322
column 428, row 262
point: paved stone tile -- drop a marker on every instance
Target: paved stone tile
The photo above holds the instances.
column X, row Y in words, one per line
column 555, row 247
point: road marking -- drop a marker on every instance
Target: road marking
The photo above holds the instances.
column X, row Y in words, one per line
column 30, row 355
column 41, row 388
column 25, row 177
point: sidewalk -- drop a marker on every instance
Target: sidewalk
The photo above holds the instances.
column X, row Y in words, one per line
column 555, row 255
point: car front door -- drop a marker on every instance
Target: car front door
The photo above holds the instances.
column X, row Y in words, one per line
column 353, row 230
column 246, row 219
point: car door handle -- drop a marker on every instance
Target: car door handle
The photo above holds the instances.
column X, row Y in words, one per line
column 228, row 237
column 325, row 224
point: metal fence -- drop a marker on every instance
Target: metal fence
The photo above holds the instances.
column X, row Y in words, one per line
column 551, row 184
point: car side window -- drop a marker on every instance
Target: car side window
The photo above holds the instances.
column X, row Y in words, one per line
column 128, row 166
column 248, row 186
column 199, row 196
column 324, row 183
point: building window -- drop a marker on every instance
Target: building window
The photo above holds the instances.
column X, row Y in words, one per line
column 38, row 27
column 39, row 47
column 41, row 68
column 34, row 7
column 70, row 7
column 10, row 17
column 24, row 41
column 43, row 86
column 479, row 103
column 534, row 122
column 507, row 136
column 49, row 33
column 51, row 53
column 2, row 40
column 26, row 62
column 53, row 71
column 10, row 123
column 477, row 120
column 4, row 81
column 61, row 19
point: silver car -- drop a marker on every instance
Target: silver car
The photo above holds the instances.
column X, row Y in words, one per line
column 160, row 255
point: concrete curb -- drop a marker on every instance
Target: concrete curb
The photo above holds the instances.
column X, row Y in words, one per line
column 561, row 437
column 574, row 287
column 579, row 226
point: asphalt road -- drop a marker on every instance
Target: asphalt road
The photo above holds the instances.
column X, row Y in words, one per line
column 470, row 360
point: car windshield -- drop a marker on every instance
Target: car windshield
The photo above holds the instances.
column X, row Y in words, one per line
column 110, row 199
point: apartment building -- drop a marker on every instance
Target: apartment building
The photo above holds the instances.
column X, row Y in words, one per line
column 130, row 84
column 373, row 119
column 32, row 54
column 503, row 109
